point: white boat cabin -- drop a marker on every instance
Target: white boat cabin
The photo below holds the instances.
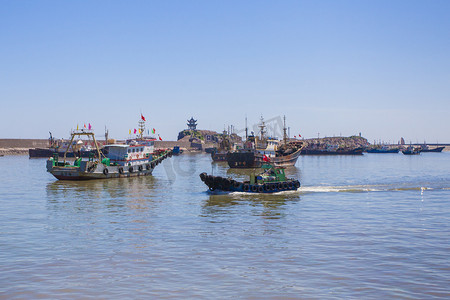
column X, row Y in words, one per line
column 271, row 148
column 130, row 154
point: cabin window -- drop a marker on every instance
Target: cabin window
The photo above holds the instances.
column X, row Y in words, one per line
column 134, row 150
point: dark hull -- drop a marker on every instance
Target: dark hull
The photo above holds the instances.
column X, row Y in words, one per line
column 382, row 151
column 242, row 160
column 252, row 159
column 219, row 156
column 407, row 152
column 358, row 151
column 48, row 152
column 438, row 149
column 217, row 183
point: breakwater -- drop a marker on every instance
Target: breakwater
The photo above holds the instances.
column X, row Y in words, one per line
column 21, row 146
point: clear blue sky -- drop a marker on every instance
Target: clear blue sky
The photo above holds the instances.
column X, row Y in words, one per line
column 381, row 68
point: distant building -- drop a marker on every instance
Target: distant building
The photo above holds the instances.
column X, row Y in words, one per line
column 192, row 124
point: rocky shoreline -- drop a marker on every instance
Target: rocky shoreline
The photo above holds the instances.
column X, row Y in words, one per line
column 351, row 142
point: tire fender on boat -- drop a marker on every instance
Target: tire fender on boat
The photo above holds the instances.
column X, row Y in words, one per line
column 130, row 169
column 147, row 166
column 120, row 170
column 140, row 168
column 105, row 171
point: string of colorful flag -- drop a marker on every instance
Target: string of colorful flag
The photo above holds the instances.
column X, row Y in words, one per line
column 135, row 131
column 89, row 127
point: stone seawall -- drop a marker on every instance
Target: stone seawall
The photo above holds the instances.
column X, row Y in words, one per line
column 171, row 144
column 23, row 143
column 21, row 146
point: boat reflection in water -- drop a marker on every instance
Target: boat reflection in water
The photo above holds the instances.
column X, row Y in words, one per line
column 90, row 194
column 274, row 205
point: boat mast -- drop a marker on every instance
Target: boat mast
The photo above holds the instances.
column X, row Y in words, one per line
column 141, row 129
column 284, row 131
column 262, row 127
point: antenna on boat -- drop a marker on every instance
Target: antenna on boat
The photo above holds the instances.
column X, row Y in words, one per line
column 106, row 136
column 246, row 129
column 284, row 130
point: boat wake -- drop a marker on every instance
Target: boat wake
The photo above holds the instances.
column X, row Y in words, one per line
column 362, row 189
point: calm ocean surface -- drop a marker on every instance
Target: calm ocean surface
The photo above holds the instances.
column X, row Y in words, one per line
column 375, row 226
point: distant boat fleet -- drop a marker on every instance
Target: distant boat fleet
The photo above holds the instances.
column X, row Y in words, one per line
column 406, row 150
column 138, row 156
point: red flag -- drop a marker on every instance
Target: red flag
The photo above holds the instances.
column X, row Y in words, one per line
column 90, row 127
column 142, row 117
column 295, row 137
column 84, row 125
column 299, row 135
column 135, row 131
column 159, row 138
column 266, row 158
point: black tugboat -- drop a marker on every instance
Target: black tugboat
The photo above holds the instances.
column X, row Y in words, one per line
column 271, row 180
column 258, row 150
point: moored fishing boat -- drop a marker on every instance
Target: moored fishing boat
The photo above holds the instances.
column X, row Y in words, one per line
column 258, row 150
column 177, row 150
column 382, row 149
column 331, row 150
column 410, row 150
column 271, row 180
column 135, row 158
column 59, row 146
column 426, row 148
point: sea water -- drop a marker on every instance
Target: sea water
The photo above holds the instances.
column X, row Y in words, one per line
column 360, row 227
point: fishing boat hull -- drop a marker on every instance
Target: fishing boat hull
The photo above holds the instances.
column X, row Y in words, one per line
column 89, row 170
column 79, row 173
column 437, row 149
column 409, row 152
column 219, row 156
column 383, row 150
column 357, row 151
column 253, row 159
column 217, row 183
column 49, row 152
